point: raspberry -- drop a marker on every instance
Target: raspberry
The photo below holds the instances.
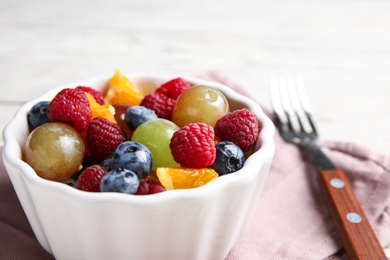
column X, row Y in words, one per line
column 147, row 186
column 96, row 94
column 173, row 88
column 240, row 127
column 89, row 179
column 192, row 146
column 161, row 104
column 70, row 106
column 103, row 137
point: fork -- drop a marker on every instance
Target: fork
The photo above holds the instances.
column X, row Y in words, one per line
column 294, row 121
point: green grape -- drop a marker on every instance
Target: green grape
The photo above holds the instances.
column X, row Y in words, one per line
column 156, row 135
column 199, row 104
column 54, row 150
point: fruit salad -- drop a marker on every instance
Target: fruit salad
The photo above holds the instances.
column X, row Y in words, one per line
column 178, row 136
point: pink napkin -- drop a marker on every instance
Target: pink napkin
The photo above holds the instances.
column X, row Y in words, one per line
column 290, row 221
column 16, row 236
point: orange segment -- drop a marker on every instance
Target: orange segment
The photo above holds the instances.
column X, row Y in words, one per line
column 184, row 178
column 105, row 111
column 121, row 91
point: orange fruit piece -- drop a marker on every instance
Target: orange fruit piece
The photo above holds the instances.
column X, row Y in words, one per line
column 184, row 178
column 121, row 91
column 105, row 111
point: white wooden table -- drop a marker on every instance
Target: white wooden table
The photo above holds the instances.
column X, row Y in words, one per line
column 341, row 49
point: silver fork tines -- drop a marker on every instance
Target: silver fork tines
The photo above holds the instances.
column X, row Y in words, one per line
column 292, row 110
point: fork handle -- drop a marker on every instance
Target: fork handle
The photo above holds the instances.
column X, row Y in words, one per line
column 356, row 233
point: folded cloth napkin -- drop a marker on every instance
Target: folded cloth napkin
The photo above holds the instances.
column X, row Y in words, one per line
column 290, row 221
column 16, row 236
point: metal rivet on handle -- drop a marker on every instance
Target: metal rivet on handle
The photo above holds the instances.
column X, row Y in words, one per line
column 337, row 183
column 354, row 217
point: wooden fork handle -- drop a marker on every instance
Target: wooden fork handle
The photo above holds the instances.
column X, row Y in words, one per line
column 356, row 233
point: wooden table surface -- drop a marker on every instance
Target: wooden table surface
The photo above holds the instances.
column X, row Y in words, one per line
column 341, row 49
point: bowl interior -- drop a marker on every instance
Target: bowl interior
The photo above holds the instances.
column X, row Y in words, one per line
column 16, row 133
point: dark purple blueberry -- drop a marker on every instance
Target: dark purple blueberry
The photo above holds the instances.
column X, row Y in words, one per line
column 229, row 158
column 130, row 155
column 136, row 115
column 38, row 114
column 119, row 180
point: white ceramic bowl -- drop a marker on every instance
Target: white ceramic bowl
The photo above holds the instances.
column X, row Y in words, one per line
column 201, row 223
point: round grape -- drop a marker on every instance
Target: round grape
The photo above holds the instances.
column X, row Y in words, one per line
column 54, row 150
column 156, row 135
column 200, row 104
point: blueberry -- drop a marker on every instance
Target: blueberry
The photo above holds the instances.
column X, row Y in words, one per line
column 136, row 115
column 132, row 156
column 38, row 114
column 119, row 180
column 229, row 158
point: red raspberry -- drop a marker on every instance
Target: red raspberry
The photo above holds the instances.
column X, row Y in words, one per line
column 173, row 88
column 161, row 104
column 240, row 127
column 89, row 179
column 96, row 94
column 103, row 137
column 147, row 186
column 192, row 146
column 70, row 106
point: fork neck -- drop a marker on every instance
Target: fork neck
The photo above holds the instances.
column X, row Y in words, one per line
column 319, row 159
